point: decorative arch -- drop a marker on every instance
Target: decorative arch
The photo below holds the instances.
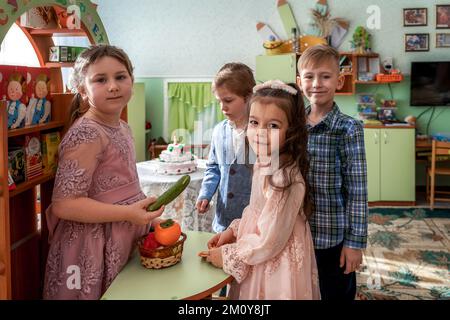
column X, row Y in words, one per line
column 92, row 24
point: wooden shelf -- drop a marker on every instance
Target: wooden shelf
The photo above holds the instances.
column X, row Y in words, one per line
column 24, row 186
column 57, row 32
column 344, row 93
column 367, row 82
column 59, row 64
column 35, row 128
column 355, row 54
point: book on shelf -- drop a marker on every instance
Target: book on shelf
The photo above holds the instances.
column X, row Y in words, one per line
column 11, row 184
column 16, row 163
column 50, row 144
column 33, row 156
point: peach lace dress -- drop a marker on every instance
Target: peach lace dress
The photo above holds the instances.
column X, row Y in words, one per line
column 95, row 161
column 273, row 256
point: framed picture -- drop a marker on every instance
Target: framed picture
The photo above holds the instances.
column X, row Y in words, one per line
column 413, row 17
column 442, row 40
column 417, row 42
column 443, row 16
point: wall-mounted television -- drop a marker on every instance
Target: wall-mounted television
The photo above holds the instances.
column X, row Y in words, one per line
column 430, row 83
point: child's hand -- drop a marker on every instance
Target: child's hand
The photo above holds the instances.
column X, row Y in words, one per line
column 224, row 237
column 214, row 257
column 202, row 205
column 351, row 258
column 139, row 214
column 212, row 243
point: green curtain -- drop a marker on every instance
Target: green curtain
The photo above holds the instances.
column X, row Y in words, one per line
column 187, row 101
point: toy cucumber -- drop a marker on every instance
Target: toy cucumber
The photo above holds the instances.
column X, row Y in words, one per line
column 173, row 192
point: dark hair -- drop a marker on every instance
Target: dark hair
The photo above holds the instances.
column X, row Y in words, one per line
column 237, row 78
column 84, row 60
column 295, row 145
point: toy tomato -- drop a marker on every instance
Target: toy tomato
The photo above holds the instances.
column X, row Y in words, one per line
column 150, row 242
column 167, row 232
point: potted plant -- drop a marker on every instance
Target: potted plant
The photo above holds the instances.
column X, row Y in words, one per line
column 361, row 40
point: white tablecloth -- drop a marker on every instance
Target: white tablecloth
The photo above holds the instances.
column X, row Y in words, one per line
column 182, row 208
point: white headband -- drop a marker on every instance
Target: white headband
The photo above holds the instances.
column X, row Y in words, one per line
column 275, row 84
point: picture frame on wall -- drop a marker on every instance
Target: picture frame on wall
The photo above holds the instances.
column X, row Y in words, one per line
column 414, row 17
column 443, row 16
column 442, row 40
column 417, row 42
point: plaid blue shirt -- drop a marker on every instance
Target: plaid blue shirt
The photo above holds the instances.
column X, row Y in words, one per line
column 338, row 181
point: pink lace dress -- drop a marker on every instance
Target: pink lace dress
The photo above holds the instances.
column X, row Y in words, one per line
column 95, row 161
column 273, row 256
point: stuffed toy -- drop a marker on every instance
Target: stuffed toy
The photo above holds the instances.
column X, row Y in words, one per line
column 16, row 109
column 39, row 108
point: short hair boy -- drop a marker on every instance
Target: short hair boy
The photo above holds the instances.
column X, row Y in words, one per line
column 337, row 175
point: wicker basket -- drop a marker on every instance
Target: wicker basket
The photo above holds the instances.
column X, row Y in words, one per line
column 162, row 257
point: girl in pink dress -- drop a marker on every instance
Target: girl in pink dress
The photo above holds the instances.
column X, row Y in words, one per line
column 269, row 251
column 98, row 210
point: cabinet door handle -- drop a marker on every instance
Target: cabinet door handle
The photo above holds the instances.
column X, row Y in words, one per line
column 2, row 268
column 375, row 137
column 385, row 137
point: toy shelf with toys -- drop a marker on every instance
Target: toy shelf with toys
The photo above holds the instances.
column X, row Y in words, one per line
column 31, row 127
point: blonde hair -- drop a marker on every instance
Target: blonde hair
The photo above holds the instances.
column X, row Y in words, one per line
column 84, row 60
column 237, row 78
column 316, row 55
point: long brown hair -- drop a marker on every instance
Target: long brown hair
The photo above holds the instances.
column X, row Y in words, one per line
column 295, row 145
column 84, row 60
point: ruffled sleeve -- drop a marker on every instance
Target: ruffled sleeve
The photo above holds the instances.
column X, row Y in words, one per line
column 275, row 225
column 79, row 156
column 234, row 226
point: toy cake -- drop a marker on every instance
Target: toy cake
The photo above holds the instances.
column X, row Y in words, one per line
column 176, row 160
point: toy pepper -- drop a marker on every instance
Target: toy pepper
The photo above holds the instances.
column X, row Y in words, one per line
column 38, row 110
column 16, row 109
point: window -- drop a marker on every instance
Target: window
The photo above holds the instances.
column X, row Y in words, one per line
column 17, row 50
column 191, row 111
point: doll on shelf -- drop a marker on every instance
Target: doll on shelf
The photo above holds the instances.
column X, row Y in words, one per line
column 16, row 109
column 38, row 110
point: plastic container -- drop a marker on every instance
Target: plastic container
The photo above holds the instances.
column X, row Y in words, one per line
column 389, row 77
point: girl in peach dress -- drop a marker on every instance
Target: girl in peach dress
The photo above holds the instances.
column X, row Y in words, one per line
column 269, row 251
column 98, row 210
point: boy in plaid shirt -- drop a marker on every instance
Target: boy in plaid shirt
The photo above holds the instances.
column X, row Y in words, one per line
column 337, row 176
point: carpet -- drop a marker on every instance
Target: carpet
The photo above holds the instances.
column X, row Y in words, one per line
column 407, row 255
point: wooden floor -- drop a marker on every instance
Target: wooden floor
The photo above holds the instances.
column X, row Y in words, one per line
column 422, row 202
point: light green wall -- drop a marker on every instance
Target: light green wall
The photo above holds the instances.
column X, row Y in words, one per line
column 194, row 38
column 440, row 123
column 154, row 106
column 195, row 60
column 136, row 110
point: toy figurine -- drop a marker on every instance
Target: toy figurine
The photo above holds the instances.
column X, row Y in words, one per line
column 38, row 110
column 16, row 109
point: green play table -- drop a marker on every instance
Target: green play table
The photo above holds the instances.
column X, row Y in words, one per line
column 191, row 278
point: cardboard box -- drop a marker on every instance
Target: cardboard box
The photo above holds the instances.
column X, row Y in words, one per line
column 64, row 53
column 50, row 144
